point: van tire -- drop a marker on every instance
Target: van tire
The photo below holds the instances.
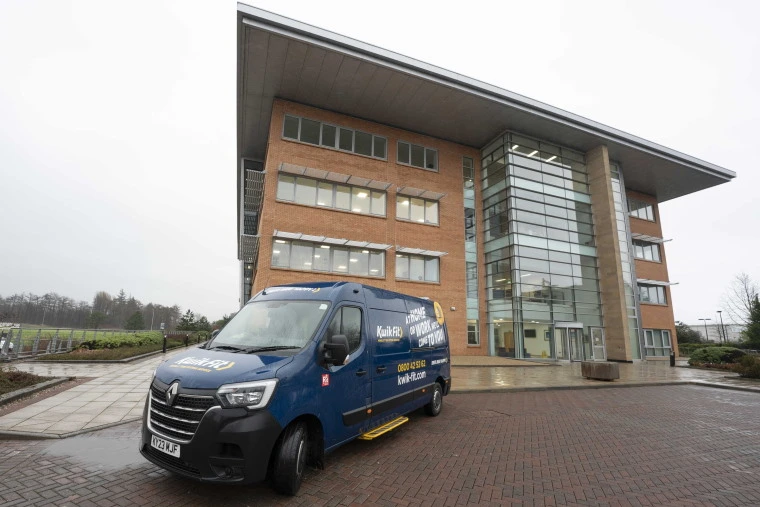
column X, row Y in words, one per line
column 436, row 404
column 290, row 460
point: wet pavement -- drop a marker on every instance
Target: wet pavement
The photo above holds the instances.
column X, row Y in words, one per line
column 677, row 445
column 117, row 392
column 115, row 395
column 568, row 375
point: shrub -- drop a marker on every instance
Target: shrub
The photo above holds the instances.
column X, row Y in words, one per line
column 715, row 355
column 686, row 349
column 748, row 367
column 123, row 340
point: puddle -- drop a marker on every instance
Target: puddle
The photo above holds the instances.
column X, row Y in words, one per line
column 102, row 452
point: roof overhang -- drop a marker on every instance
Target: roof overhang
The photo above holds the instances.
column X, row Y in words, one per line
column 282, row 58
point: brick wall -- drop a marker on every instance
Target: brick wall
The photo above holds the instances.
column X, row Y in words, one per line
column 448, row 236
column 654, row 316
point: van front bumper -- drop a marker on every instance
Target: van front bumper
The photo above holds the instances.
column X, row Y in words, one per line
column 229, row 446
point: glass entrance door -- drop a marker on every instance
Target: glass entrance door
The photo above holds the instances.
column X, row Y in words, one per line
column 569, row 344
column 597, row 340
column 575, row 337
column 560, row 343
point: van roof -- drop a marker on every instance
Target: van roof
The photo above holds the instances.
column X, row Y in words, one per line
column 327, row 290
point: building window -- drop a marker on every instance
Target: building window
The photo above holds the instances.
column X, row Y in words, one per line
column 645, row 250
column 473, row 337
column 657, row 342
column 469, row 224
column 472, row 279
column 417, row 268
column 326, row 194
column 334, row 137
column 653, row 294
column 307, row 256
column 468, row 172
column 416, row 210
column 641, row 209
column 417, row 156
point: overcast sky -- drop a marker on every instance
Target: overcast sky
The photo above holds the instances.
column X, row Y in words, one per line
column 117, row 126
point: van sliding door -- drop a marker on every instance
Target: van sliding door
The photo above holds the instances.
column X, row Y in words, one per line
column 394, row 376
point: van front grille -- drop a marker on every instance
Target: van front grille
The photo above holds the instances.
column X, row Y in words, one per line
column 180, row 420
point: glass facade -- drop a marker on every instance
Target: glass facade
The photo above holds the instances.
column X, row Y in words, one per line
column 626, row 249
column 539, row 246
column 471, row 251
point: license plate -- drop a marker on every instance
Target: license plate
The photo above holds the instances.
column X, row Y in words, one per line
column 162, row 445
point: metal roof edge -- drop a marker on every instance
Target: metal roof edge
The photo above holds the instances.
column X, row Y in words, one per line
column 461, row 81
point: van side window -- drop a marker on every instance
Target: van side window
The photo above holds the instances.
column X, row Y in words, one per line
column 348, row 321
column 352, row 327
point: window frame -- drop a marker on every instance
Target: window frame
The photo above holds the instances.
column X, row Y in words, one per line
column 338, row 134
column 371, row 193
column 644, row 246
column 650, row 346
column 425, row 203
column 474, row 332
column 320, row 248
column 637, row 206
column 425, row 259
column 425, row 150
column 649, row 301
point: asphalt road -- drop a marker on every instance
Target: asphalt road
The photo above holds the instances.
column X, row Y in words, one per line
column 663, row 445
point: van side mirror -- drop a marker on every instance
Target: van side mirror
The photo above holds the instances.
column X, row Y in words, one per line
column 335, row 349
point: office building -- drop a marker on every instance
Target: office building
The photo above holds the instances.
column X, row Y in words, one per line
column 537, row 230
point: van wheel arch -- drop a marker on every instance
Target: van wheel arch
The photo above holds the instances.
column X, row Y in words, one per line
column 315, row 439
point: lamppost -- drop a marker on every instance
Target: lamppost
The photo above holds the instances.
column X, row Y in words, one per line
column 705, row 322
column 720, row 314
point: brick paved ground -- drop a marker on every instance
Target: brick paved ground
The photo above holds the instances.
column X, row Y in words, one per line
column 674, row 445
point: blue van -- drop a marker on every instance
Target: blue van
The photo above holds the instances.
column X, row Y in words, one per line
column 299, row 371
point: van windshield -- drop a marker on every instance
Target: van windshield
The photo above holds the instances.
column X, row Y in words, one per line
column 276, row 324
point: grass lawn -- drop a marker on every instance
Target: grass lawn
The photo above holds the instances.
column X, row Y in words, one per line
column 111, row 354
column 12, row 379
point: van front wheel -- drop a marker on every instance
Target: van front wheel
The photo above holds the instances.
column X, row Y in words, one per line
column 436, row 404
column 290, row 461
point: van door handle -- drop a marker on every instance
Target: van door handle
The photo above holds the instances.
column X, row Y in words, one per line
column 361, row 373
column 380, row 369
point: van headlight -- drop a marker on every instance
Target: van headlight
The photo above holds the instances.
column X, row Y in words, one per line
column 251, row 395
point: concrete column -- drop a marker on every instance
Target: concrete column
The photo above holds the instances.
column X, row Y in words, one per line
column 616, row 332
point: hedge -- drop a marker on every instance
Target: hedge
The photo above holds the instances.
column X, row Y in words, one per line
column 124, row 340
column 715, row 355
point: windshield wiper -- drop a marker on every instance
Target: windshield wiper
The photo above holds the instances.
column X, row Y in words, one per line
column 227, row 347
column 266, row 349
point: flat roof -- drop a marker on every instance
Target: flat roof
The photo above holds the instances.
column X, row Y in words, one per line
column 279, row 57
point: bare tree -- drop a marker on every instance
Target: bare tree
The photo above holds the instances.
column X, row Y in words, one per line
column 738, row 298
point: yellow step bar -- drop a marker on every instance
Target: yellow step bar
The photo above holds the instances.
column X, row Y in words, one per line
column 385, row 428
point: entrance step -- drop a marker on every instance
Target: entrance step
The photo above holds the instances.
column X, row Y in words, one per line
column 385, row 428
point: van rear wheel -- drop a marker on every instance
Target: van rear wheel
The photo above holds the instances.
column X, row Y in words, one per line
column 290, row 461
column 436, row 404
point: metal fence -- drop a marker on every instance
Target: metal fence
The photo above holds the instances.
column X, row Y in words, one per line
column 21, row 342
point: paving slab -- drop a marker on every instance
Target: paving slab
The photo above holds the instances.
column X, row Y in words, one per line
column 662, row 445
column 118, row 391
